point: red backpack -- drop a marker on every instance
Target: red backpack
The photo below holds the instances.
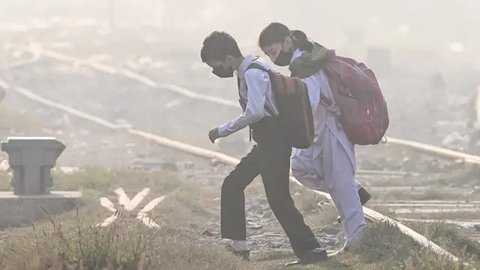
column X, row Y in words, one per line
column 363, row 110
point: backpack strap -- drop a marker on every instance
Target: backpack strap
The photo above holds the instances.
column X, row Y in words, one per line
column 260, row 67
column 242, row 101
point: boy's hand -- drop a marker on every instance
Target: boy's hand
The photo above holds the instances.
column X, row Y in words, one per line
column 213, row 135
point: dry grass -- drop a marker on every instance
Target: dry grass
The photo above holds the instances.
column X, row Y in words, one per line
column 385, row 247
column 123, row 246
column 71, row 241
column 451, row 238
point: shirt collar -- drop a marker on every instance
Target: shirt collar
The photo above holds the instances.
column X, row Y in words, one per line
column 249, row 59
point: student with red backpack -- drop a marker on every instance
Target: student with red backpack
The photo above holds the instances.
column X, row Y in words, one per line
column 270, row 158
column 329, row 164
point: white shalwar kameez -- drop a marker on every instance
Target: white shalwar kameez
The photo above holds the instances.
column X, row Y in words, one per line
column 329, row 164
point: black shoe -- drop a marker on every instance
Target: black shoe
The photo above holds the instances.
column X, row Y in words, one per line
column 243, row 254
column 364, row 195
column 312, row 256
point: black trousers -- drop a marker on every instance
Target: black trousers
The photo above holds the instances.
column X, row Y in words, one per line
column 270, row 158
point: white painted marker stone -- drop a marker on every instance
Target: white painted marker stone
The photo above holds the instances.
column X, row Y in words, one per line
column 130, row 205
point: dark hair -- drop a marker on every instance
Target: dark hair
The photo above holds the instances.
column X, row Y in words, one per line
column 301, row 41
column 276, row 33
column 217, row 46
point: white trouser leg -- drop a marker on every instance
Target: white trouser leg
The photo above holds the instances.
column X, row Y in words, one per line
column 339, row 177
column 325, row 166
column 304, row 169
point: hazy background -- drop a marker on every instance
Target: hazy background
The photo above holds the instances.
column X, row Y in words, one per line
column 425, row 53
column 436, row 26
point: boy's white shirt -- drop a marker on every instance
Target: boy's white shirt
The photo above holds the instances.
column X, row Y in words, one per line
column 258, row 96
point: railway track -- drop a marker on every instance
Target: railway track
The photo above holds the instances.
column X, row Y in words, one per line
column 38, row 50
column 372, row 215
column 459, row 158
column 409, row 208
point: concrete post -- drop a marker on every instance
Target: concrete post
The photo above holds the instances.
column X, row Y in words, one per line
column 31, row 159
